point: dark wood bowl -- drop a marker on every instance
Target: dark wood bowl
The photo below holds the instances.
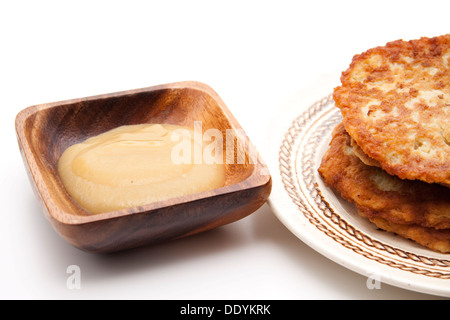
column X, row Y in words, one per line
column 45, row 131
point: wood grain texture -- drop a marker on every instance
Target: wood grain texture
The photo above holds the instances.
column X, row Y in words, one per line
column 45, row 131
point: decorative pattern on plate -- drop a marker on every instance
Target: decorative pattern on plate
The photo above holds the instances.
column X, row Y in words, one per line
column 299, row 157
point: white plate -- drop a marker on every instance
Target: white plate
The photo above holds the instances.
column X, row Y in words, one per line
column 330, row 225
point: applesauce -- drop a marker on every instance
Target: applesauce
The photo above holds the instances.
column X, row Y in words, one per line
column 134, row 165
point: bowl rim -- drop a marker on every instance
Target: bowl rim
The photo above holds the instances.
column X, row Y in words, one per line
column 54, row 212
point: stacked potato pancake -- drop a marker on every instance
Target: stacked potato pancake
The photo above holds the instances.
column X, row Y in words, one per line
column 390, row 156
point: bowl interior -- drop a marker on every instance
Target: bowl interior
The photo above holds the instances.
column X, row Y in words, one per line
column 52, row 128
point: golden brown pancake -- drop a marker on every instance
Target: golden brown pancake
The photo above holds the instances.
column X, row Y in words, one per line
column 437, row 240
column 395, row 102
column 362, row 156
column 413, row 209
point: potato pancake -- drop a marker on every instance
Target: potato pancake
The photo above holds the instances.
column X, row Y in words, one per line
column 395, row 102
column 413, row 209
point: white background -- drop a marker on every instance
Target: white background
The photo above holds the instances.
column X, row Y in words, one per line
column 254, row 54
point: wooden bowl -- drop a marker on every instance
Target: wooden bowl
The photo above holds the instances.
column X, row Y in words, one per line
column 45, row 131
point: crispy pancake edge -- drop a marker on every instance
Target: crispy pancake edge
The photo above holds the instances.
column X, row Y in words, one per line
column 426, row 209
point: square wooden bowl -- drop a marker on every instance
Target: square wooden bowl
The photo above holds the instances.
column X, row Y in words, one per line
column 45, row 131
